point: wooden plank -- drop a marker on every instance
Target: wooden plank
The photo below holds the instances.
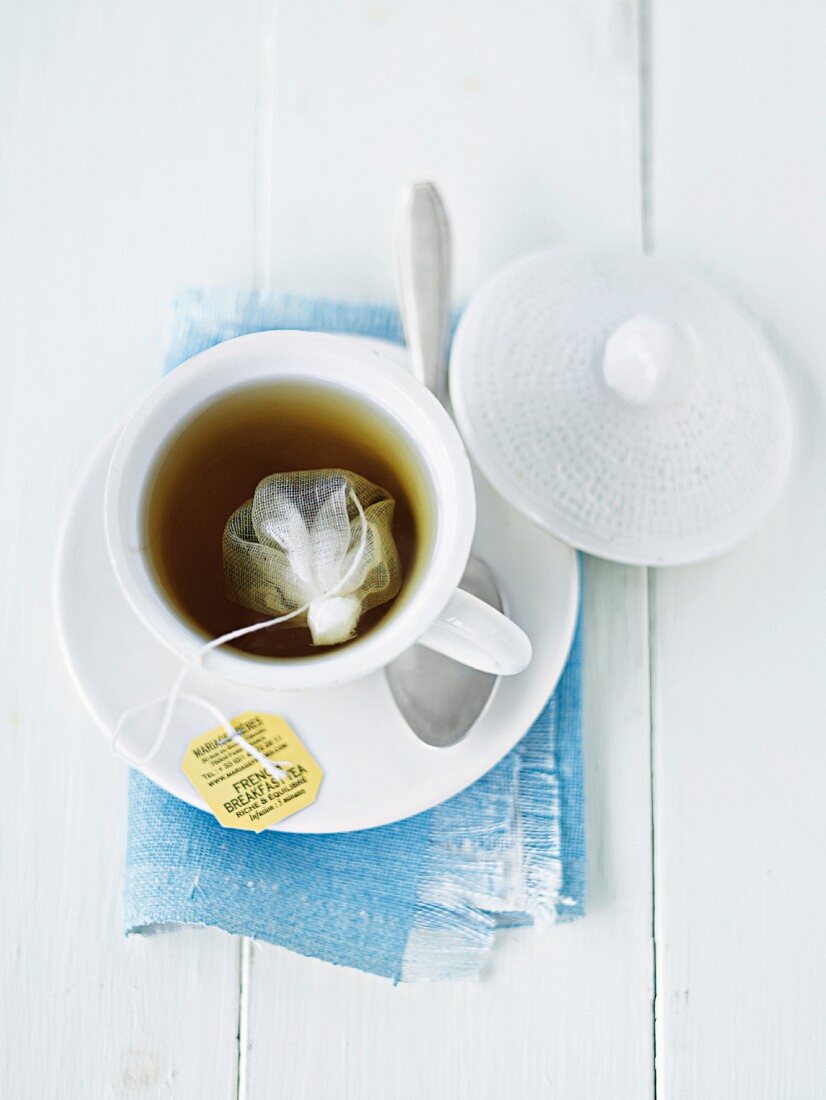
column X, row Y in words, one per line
column 528, row 120
column 739, row 172
column 128, row 145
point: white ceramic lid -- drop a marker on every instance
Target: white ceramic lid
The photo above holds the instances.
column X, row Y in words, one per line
column 629, row 409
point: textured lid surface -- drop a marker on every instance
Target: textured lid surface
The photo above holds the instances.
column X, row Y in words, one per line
column 629, row 409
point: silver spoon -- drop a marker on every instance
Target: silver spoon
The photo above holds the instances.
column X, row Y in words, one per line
column 439, row 699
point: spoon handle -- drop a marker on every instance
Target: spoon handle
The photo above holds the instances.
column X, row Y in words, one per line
column 423, row 272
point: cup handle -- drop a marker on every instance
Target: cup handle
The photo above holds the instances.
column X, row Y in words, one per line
column 475, row 634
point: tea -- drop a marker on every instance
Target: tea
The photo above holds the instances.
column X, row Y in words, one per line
column 214, row 464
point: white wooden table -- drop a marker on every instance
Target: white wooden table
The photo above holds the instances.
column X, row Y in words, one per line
column 149, row 145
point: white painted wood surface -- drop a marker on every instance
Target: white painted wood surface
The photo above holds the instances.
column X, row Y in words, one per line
column 115, row 191
column 150, row 146
column 739, row 177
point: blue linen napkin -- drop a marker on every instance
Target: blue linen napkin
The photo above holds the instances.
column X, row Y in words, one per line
column 417, row 900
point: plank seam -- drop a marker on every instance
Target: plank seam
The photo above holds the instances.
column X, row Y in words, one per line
column 644, row 128
column 651, row 613
column 264, row 129
column 243, row 1031
column 644, row 123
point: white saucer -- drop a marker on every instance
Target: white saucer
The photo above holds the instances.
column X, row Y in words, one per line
column 375, row 769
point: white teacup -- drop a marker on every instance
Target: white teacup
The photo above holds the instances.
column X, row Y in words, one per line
column 435, row 613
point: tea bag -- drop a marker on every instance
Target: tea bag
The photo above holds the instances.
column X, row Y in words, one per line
column 315, row 546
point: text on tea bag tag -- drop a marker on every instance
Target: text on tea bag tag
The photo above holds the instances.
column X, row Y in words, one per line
column 247, row 789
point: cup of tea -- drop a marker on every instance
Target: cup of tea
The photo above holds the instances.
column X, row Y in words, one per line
column 206, row 436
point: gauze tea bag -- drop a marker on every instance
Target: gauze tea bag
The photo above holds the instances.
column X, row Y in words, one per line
column 315, row 546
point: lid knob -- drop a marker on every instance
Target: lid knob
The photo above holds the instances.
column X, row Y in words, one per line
column 647, row 360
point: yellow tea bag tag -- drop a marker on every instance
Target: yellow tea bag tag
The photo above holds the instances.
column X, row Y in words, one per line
column 258, row 777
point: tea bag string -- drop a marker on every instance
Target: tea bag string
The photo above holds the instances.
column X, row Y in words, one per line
column 171, row 698
column 275, row 768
